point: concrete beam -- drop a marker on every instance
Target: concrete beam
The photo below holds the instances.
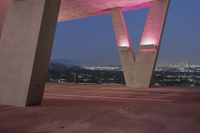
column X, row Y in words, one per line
column 124, row 44
column 26, row 44
column 138, row 72
column 147, row 57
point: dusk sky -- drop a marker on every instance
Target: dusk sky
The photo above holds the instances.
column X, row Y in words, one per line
column 91, row 41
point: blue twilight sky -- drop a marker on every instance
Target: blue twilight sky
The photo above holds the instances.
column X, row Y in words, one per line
column 91, row 41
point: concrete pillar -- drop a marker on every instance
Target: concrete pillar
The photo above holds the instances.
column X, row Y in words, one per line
column 26, row 43
column 150, row 43
column 140, row 72
column 124, row 44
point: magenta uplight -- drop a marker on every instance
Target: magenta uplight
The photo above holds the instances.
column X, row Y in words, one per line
column 75, row 9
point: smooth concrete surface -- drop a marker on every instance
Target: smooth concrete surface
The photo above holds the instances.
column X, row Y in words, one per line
column 76, row 9
column 106, row 109
column 143, row 68
column 26, row 43
column 124, row 44
column 146, row 59
column 3, row 9
column 138, row 71
column 127, row 63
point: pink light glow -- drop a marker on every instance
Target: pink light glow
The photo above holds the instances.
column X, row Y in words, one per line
column 148, row 41
column 155, row 23
column 76, row 9
column 127, row 8
column 124, row 43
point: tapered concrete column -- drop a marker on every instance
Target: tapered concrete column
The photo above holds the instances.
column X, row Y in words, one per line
column 124, row 44
column 138, row 72
column 26, row 44
column 150, row 43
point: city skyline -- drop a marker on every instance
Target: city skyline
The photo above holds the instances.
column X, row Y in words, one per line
column 96, row 35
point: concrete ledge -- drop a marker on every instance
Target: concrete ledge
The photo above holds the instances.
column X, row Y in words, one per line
column 124, row 48
column 150, row 46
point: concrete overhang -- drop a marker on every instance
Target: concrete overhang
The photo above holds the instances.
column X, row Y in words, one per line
column 76, row 9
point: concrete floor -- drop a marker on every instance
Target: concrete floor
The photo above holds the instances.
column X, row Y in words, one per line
column 106, row 109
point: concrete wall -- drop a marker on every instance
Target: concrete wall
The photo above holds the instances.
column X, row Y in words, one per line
column 26, row 44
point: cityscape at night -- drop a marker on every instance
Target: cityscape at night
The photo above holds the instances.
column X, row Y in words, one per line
column 179, row 75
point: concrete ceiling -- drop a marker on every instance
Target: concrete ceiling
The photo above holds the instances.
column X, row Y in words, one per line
column 75, row 9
